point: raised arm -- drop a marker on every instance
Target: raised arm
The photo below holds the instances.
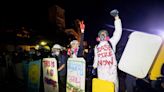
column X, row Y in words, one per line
column 81, row 47
column 82, row 29
column 118, row 28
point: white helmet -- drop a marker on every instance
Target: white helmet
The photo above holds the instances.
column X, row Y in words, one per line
column 74, row 42
column 57, row 46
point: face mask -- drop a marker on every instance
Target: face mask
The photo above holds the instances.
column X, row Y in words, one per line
column 75, row 50
column 57, row 53
column 102, row 37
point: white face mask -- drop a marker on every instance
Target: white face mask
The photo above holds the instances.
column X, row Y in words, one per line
column 57, row 53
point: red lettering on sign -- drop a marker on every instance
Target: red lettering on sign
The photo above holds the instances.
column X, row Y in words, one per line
column 104, row 48
column 105, row 62
column 46, row 63
column 74, row 79
column 52, row 64
column 50, row 72
column 49, row 63
column 105, row 54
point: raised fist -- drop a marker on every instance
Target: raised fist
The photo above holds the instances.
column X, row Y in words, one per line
column 114, row 13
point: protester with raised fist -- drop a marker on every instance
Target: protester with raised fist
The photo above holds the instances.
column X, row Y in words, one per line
column 105, row 59
column 76, row 46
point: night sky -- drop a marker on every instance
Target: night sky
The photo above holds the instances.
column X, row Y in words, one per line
column 140, row 15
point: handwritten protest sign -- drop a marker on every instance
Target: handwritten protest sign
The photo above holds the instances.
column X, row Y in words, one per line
column 75, row 75
column 50, row 75
column 34, row 76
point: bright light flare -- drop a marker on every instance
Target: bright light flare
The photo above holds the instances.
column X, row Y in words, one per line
column 43, row 43
column 37, row 47
column 161, row 33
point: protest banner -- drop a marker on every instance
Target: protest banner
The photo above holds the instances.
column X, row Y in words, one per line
column 34, row 76
column 50, row 75
column 75, row 75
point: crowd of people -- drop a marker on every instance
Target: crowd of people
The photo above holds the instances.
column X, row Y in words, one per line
column 102, row 57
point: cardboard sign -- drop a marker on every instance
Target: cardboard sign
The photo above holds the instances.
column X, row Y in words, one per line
column 75, row 75
column 50, row 75
column 155, row 71
column 139, row 53
column 99, row 85
column 34, row 76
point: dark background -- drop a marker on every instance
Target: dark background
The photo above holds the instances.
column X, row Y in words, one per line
column 140, row 15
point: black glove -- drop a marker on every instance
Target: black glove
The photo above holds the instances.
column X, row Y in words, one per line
column 93, row 71
column 114, row 13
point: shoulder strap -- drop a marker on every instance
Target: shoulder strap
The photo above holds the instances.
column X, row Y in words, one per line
column 110, row 44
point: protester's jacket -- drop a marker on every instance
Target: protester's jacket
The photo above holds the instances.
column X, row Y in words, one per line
column 61, row 59
column 103, row 49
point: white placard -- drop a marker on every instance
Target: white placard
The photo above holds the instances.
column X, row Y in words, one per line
column 75, row 75
column 139, row 53
column 50, row 75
